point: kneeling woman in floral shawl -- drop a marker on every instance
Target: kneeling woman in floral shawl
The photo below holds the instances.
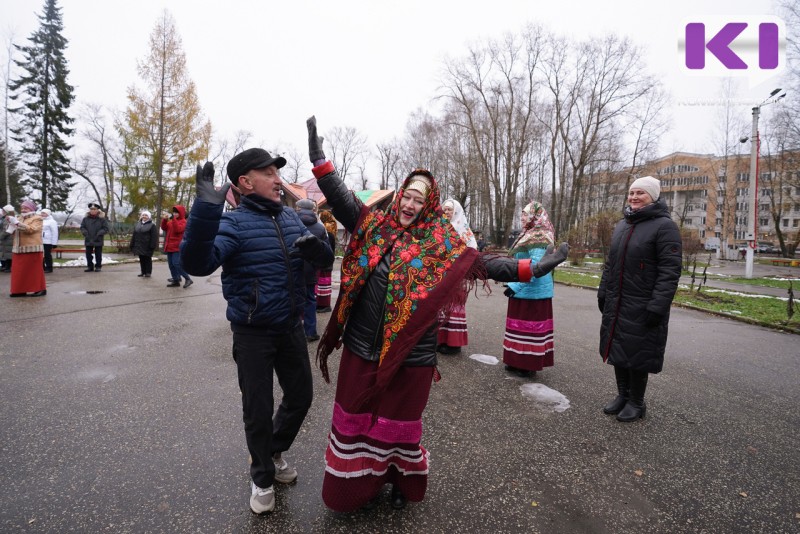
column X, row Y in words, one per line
column 399, row 270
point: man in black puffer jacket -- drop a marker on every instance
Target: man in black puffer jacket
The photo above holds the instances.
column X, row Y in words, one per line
column 307, row 210
column 261, row 247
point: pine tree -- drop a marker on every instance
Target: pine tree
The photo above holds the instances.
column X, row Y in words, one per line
column 44, row 97
column 164, row 133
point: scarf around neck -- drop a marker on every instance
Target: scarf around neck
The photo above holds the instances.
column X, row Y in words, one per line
column 429, row 263
column 538, row 233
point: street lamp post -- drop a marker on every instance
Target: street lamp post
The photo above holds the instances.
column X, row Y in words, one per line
column 752, row 196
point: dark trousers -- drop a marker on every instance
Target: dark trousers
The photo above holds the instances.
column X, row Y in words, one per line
column 257, row 356
column 98, row 256
column 310, row 311
column 146, row 264
column 175, row 268
column 48, row 257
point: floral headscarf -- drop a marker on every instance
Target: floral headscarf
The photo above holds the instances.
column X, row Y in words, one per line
column 429, row 262
column 538, row 233
column 459, row 222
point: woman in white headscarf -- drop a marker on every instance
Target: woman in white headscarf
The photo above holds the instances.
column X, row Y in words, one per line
column 144, row 242
column 453, row 323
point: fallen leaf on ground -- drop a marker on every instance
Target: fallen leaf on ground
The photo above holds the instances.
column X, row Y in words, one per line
column 534, row 503
column 743, row 494
column 638, row 472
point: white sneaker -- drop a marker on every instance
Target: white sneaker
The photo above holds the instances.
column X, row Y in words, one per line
column 261, row 500
column 284, row 473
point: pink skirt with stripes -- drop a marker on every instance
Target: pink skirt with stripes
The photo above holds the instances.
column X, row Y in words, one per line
column 361, row 457
column 453, row 329
column 528, row 341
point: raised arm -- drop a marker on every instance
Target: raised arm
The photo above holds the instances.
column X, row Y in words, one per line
column 346, row 206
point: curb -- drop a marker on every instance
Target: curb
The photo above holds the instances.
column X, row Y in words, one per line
column 747, row 320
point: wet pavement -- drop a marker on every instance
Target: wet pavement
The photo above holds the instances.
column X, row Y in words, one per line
column 121, row 413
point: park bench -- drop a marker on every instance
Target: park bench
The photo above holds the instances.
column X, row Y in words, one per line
column 786, row 262
column 58, row 251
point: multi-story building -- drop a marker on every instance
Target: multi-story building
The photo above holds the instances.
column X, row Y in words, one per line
column 710, row 194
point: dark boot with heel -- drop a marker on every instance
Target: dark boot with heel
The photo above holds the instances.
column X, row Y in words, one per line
column 623, row 390
column 635, row 408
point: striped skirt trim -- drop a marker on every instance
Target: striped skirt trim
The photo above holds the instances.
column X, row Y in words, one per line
column 528, row 339
column 453, row 328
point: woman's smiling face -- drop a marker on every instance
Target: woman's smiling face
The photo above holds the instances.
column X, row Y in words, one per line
column 410, row 206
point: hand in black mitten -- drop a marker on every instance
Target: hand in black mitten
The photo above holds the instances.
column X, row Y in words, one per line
column 308, row 247
column 315, row 152
column 550, row 260
column 652, row 319
column 509, row 292
column 204, row 185
column 601, row 303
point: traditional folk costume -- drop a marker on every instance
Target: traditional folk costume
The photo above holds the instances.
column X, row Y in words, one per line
column 453, row 322
column 395, row 280
column 27, row 269
column 528, row 340
column 324, row 285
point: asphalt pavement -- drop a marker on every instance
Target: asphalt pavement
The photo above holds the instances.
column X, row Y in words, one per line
column 121, row 413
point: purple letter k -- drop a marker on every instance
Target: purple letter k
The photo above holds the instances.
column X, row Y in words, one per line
column 718, row 45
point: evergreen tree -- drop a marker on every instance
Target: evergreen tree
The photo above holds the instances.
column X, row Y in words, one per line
column 44, row 124
column 14, row 186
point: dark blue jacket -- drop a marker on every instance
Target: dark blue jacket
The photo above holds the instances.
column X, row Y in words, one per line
column 261, row 280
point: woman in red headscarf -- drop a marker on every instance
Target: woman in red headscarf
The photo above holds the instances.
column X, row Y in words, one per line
column 400, row 269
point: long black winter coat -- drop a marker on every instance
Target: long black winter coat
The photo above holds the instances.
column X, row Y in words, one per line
column 309, row 218
column 144, row 240
column 641, row 274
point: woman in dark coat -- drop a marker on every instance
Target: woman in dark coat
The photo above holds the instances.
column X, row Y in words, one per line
column 144, row 242
column 639, row 281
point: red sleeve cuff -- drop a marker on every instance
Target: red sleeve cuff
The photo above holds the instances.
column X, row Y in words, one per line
column 524, row 270
column 322, row 170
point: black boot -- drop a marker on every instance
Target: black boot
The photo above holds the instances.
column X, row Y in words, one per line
column 398, row 499
column 623, row 390
column 635, row 408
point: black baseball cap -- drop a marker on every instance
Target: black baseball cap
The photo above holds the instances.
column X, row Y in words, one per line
column 252, row 158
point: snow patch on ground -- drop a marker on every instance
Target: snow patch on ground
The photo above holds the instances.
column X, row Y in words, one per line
column 545, row 397
column 484, row 358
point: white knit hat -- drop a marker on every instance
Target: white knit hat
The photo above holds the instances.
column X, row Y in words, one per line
column 649, row 184
column 8, row 208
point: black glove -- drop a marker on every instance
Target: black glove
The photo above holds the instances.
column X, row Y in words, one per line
column 652, row 319
column 601, row 303
column 205, row 185
column 309, row 247
column 550, row 260
column 315, row 152
column 509, row 292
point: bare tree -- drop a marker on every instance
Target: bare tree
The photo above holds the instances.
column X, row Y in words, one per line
column 346, row 144
column 389, row 155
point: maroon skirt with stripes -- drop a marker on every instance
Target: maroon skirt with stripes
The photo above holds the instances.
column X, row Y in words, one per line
column 528, row 341
column 361, row 456
column 324, row 289
column 27, row 273
column 453, row 328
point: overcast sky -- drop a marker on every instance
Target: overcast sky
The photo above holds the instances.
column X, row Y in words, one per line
column 264, row 66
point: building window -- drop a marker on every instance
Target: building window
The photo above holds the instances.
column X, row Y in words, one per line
column 795, row 223
column 785, row 223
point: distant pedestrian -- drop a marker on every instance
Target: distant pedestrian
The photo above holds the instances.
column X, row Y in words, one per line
column 6, row 238
column 528, row 341
column 639, row 281
column 27, row 270
column 306, row 209
column 453, row 322
column 174, row 225
column 49, row 238
column 144, row 242
column 94, row 228
column 324, row 282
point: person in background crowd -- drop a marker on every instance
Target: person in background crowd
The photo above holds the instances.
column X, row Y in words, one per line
column 639, row 280
column 307, row 210
column 528, row 340
column 94, row 227
column 453, row 324
column 324, row 284
column 261, row 246
column 400, row 269
column 6, row 238
column 49, row 238
column 27, row 269
column 144, row 242
column 174, row 225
